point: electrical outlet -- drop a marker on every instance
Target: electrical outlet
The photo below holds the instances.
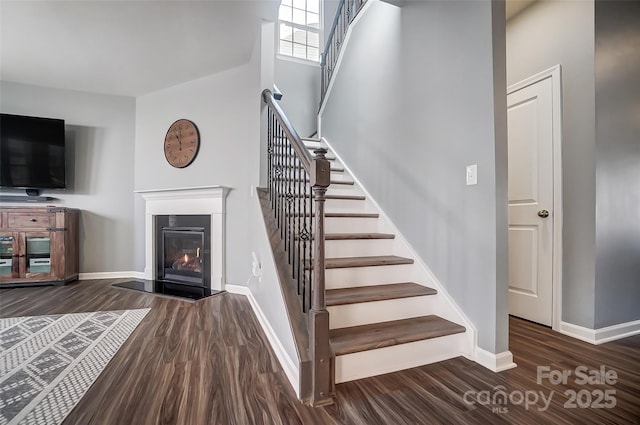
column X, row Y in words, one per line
column 472, row 174
column 256, row 267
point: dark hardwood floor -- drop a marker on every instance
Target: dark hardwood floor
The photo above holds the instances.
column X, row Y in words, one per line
column 208, row 362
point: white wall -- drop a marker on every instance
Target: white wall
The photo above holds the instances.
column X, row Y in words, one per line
column 225, row 107
column 545, row 34
column 617, row 293
column 100, row 140
column 300, row 84
column 408, row 112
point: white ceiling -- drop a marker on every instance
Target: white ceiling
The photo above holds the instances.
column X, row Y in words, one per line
column 125, row 47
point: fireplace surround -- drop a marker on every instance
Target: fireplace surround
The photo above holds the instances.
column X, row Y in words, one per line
column 197, row 201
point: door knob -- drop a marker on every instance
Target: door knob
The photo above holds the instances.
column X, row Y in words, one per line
column 543, row 213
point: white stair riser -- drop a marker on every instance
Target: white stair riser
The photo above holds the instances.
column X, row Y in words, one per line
column 348, row 205
column 364, row 276
column 350, row 367
column 358, row 248
column 350, row 225
column 335, row 205
column 342, row 316
column 343, row 189
column 331, row 206
column 341, row 176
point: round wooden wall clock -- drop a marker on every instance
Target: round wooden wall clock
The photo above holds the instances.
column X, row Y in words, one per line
column 181, row 143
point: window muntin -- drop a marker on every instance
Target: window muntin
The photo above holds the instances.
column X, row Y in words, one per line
column 299, row 29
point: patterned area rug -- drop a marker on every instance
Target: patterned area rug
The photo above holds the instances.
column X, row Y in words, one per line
column 47, row 363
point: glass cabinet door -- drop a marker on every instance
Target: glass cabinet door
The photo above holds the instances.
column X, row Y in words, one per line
column 38, row 253
column 8, row 254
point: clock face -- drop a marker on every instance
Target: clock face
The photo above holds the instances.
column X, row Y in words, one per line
column 181, row 143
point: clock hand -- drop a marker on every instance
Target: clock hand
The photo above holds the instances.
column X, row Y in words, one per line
column 179, row 141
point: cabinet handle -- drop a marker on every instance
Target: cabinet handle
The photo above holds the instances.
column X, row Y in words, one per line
column 21, row 255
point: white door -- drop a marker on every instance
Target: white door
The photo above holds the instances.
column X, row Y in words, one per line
column 530, row 133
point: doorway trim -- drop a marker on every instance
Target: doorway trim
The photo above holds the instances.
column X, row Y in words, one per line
column 555, row 74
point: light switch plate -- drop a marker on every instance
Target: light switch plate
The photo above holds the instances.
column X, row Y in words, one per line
column 472, row 174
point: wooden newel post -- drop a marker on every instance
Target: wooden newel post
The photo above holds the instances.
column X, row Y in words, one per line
column 319, row 346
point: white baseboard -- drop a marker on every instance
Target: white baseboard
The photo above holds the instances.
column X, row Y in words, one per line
column 494, row 362
column 289, row 366
column 111, row 275
column 602, row 335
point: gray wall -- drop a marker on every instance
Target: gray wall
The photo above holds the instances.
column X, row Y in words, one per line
column 225, row 107
column 562, row 32
column 408, row 117
column 100, row 140
column 617, row 94
column 300, row 84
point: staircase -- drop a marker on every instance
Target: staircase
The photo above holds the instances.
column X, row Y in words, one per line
column 383, row 316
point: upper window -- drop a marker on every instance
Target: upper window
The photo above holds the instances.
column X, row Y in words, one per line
column 299, row 29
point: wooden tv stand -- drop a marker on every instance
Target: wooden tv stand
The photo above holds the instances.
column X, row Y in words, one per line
column 38, row 246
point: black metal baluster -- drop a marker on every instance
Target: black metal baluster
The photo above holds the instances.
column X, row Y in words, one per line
column 310, row 285
column 280, row 182
column 285, row 144
column 269, row 150
column 274, row 164
column 289, row 198
column 296, row 272
column 294, row 217
column 305, row 236
column 275, row 174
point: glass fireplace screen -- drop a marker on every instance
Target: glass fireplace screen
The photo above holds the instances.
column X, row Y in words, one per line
column 183, row 255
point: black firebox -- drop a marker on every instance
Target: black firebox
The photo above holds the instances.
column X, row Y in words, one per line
column 183, row 249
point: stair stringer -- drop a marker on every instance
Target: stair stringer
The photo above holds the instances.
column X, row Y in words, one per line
column 444, row 305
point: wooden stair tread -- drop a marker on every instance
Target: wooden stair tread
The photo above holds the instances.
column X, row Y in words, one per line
column 355, row 215
column 376, row 260
column 378, row 335
column 333, row 169
column 364, row 294
column 345, row 182
column 357, row 236
column 346, row 197
column 328, row 158
column 341, row 215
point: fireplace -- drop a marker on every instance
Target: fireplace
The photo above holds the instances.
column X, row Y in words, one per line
column 160, row 205
column 183, row 251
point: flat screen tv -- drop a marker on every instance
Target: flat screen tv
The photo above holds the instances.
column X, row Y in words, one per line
column 32, row 152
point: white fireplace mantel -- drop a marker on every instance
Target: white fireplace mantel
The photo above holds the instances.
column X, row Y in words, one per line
column 202, row 200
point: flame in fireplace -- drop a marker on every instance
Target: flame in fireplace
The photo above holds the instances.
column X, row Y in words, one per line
column 186, row 258
column 197, row 252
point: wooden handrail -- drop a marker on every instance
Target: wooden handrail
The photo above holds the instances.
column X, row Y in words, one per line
column 292, row 134
column 297, row 203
